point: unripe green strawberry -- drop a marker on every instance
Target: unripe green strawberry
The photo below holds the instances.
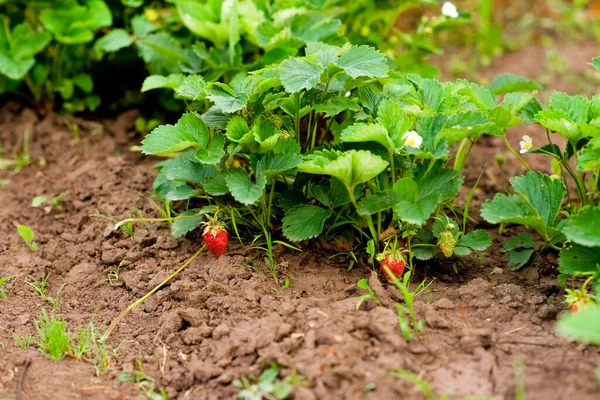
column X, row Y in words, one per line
column 446, row 243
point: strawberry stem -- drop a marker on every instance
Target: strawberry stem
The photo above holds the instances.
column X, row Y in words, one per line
column 122, row 315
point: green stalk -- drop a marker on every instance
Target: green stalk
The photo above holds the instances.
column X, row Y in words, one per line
column 314, row 130
column 122, row 315
column 514, row 153
column 580, row 186
column 462, row 154
column 368, row 217
column 596, row 179
column 297, row 118
column 392, row 166
column 270, row 202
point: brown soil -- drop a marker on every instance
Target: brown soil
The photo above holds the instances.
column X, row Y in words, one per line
column 221, row 319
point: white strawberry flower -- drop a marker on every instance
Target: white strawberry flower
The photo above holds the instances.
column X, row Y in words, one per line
column 449, row 10
column 526, row 144
column 412, row 139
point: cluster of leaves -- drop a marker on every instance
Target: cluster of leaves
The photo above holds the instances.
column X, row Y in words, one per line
column 319, row 142
column 46, row 45
column 564, row 221
column 43, row 45
column 539, row 201
column 268, row 385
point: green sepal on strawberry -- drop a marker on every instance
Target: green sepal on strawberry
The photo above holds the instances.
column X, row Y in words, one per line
column 215, row 237
column 579, row 299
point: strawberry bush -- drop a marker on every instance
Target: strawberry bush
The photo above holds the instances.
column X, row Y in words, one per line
column 331, row 141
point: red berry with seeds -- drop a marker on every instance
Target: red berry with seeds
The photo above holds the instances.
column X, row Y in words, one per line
column 215, row 237
column 395, row 262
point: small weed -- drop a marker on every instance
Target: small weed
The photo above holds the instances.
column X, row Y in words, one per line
column 424, row 386
column 113, row 276
column 54, row 341
column 54, row 202
column 125, row 227
column 145, row 383
column 268, row 385
column 24, row 341
column 89, row 346
column 27, row 235
column 21, row 160
column 364, row 284
column 3, row 282
column 41, row 289
column 412, row 324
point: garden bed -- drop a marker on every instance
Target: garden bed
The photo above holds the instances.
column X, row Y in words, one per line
column 226, row 318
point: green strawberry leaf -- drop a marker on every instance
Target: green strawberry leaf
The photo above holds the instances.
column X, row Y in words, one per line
column 428, row 127
column 377, row 202
column 589, row 159
column 190, row 131
column 266, row 134
column 337, row 105
column 351, row 167
column 214, row 152
column 152, row 82
column 113, row 41
column 576, row 258
column 304, row 222
column 583, row 326
column 179, row 191
column 519, row 258
column 422, row 195
column 17, row 58
column 242, row 188
column 276, row 164
column 192, row 219
column 507, row 83
column 236, row 129
column 462, row 251
column 216, row 185
column 536, row 203
column 84, row 82
column 391, row 115
column 297, row 74
column 362, row 132
column 72, row 23
column 14, row 69
column 225, row 98
column 575, row 107
column 477, row 240
column 480, row 95
column 463, row 125
column 520, row 241
column 191, row 88
column 424, row 253
column 584, row 227
column 363, row 61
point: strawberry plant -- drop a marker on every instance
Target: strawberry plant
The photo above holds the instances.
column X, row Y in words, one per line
column 334, row 140
column 539, row 201
column 43, row 45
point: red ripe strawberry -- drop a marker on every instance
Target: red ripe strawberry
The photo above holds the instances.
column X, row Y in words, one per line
column 394, row 261
column 215, row 237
